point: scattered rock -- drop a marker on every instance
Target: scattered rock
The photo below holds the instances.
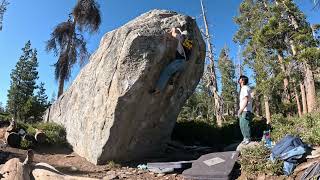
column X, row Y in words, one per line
column 73, row 168
column 123, row 176
column 15, row 170
column 250, row 145
column 111, row 177
column 45, row 171
column 2, row 133
column 261, row 177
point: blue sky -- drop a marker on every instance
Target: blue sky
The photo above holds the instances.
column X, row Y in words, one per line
column 34, row 20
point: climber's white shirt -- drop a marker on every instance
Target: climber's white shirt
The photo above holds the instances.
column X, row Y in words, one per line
column 180, row 47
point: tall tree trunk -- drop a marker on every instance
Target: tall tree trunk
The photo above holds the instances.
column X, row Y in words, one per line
column 309, row 79
column 303, row 97
column 286, row 78
column 296, row 94
column 310, row 86
column 213, row 78
column 294, row 52
column 311, row 90
column 267, row 108
column 61, row 86
column 236, row 104
column 257, row 103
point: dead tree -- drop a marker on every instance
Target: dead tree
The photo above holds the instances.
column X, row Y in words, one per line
column 211, row 70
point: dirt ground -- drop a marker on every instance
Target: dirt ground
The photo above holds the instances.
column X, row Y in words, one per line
column 67, row 162
column 64, row 160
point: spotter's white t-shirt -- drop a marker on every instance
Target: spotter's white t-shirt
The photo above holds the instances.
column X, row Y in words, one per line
column 246, row 91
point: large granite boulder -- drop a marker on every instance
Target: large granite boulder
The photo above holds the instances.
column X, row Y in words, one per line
column 108, row 111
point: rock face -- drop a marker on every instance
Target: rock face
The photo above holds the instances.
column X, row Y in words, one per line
column 108, row 111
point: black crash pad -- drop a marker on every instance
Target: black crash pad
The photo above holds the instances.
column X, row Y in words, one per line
column 217, row 166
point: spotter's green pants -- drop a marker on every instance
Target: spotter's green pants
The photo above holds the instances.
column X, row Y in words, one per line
column 245, row 124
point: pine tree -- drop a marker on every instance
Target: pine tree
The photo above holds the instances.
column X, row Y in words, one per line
column 228, row 81
column 304, row 48
column 23, row 83
column 40, row 102
column 276, row 34
column 3, row 9
column 316, row 3
column 253, row 15
column 199, row 107
column 2, row 110
column 41, row 96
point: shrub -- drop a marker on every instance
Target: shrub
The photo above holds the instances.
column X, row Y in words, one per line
column 204, row 133
column 112, row 164
column 23, row 125
column 306, row 127
column 5, row 117
column 26, row 144
column 254, row 161
column 56, row 134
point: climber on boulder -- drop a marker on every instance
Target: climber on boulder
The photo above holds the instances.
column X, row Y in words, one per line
column 176, row 66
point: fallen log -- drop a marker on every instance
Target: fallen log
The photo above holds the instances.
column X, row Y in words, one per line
column 40, row 136
column 13, row 139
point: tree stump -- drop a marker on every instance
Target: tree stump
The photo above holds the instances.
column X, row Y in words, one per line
column 40, row 136
column 13, row 139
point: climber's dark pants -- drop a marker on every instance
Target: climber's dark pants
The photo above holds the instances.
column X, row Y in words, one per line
column 175, row 66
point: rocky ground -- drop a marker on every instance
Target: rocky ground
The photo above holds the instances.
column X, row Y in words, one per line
column 67, row 162
column 64, row 160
